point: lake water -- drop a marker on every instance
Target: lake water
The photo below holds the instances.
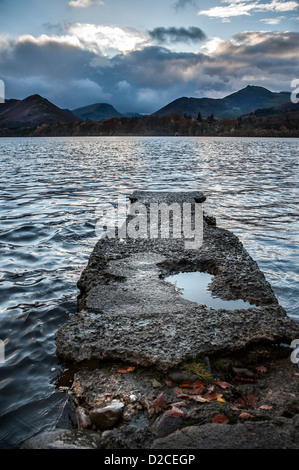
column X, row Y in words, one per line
column 49, row 192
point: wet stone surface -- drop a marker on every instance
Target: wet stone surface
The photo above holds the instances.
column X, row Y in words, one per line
column 128, row 311
column 148, row 366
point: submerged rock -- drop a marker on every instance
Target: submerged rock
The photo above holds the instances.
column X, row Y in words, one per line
column 64, row 439
column 128, row 312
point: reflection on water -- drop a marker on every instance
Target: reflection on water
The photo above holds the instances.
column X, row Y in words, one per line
column 49, row 191
column 193, row 286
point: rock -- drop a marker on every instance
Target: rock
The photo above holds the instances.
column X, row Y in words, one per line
column 107, row 417
column 243, row 372
column 83, row 418
column 125, row 281
column 239, row 436
column 64, row 439
column 166, row 425
column 179, row 377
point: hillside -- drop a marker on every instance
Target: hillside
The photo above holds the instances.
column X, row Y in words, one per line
column 97, row 112
column 237, row 104
column 33, row 110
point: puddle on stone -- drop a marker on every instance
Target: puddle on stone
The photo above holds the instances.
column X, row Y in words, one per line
column 194, row 287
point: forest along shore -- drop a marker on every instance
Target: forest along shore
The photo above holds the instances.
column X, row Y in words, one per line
column 146, row 368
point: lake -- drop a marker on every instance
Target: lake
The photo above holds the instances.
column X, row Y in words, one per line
column 50, row 190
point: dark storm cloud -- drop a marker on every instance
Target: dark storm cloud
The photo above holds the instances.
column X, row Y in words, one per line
column 144, row 80
column 192, row 34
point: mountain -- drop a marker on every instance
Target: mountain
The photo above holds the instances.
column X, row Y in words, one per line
column 237, row 104
column 97, row 112
column 33, row 110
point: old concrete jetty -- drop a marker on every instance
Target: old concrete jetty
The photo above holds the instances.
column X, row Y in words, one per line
column 135, row 340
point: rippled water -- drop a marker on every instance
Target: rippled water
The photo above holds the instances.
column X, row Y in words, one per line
column 49, row 192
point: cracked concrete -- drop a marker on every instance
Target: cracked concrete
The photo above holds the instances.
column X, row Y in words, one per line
column 127, row 311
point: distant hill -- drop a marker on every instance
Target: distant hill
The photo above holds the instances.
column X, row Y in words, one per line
column 237, row 104
column 33, row 110
column 97, row 112
column 281, row 109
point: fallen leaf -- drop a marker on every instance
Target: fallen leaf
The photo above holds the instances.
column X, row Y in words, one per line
column 251, row 399
column 213, row 396
column 220, row 419
column 199, row 390
column 175, row 412
column 156, row 384
column 234, row 408
column 244, row 380
column 179, row 391
column 160, row 403
column 178, row 404
column 220, row 400
column 124, row 370
column 245, row 416
column 223, row 385
column 211, row 388
column 198, row 398
column 261, row 369
column 266, row 407
column 239, row 401
column 169, row 383
column 186, row 384
column 198, row 384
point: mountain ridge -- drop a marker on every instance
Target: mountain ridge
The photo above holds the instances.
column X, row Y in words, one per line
column 33, row 110
column 236, row 104
column 97, row 112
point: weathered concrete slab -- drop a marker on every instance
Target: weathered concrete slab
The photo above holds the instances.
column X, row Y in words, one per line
column 126, row 311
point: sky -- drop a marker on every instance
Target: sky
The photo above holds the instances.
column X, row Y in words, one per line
column 139, row 55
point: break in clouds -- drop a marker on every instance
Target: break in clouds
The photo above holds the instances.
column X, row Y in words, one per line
column 72, row 72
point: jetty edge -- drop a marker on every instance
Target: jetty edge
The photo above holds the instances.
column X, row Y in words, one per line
column 149, row 366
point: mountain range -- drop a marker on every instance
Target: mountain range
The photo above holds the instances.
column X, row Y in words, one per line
column 36, row 110
column 237, row 104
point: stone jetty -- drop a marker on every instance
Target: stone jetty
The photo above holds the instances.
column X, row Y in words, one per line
column 154, row 370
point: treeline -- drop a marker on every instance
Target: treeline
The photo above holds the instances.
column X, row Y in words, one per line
column 252, row 125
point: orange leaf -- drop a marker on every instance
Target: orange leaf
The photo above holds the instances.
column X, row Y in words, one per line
column 220, row 419
column 175, row 412
column 122, row 371
column 198, row 384
column 186, row 384
column 223, row 385
column 160, row 403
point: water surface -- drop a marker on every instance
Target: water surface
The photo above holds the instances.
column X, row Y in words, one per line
column 49, row 192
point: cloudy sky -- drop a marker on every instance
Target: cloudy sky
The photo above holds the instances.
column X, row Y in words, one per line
column 140, row 55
